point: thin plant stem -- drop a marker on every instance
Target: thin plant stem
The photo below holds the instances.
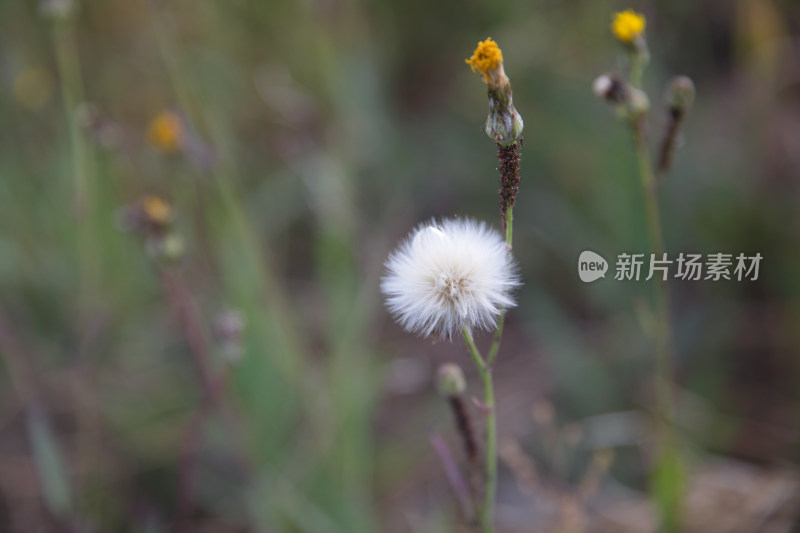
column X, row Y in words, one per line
column 487, row 519
column 477, row 358
column 509, row 224
column 463, row 423
column 453, row 474
column 650, row 190
column 490, row 489
column 485, row 365
column 82, row 211
column 639, row 56
column 72, row 94
column 498, row 332
column 667, row 153
column 179, row 298
column 637, row 69
column 663, row 348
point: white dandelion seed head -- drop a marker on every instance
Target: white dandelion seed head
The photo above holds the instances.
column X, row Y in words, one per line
column 447, row 275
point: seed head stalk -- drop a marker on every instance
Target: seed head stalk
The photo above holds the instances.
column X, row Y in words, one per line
column 504, row 126
column 509, row 224
column 488, row 389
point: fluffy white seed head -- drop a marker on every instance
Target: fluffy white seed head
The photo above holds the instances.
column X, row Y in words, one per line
column 447, row 275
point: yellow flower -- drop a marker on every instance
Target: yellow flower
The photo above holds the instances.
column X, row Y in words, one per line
column 166, row 131
column 157, row 210
column 628, row 25
column 486, row 59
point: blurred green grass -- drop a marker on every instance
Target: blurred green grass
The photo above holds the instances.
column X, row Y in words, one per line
column 323, row 132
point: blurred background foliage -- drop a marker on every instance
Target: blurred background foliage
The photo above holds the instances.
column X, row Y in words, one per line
column 255, row 382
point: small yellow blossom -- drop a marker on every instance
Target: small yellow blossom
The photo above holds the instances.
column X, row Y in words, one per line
column 166, row 131
column 157, row 210
column 628, row 25
column 486, row 59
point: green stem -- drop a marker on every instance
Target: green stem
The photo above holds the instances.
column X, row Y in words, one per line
column 72, row 94
column 83, row 212
column 498, row 333
column 668, row 492
column 491, row 452
column 490, row 490
column 637, row 69
column 639, row 56
column 473, row 350
column 509, row 224
column 485, row 369
column 650, row 190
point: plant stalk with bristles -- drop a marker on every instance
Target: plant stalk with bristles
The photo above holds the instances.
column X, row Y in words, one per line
column 504, row 126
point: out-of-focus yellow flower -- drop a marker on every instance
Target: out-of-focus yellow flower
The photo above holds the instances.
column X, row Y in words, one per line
column 628, row 25
column 166, row 131
column 488, row 60
column 157, row 210
column 33, row 88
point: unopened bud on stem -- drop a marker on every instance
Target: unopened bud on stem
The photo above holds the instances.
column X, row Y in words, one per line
column 638, row 104
column 609, row 87
column 504, row 124
column 450, row 380
column 680, row 93
column 630, row 103
column 680, row 96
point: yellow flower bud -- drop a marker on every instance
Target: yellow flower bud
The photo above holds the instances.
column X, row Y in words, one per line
column 628, row 25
